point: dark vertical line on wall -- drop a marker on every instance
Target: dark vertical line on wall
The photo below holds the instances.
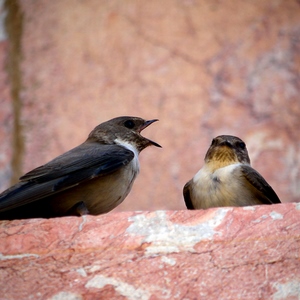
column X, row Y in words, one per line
column 13, row 24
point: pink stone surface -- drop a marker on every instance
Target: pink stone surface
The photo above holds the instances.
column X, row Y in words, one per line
column 203, row 68
column 221, row 253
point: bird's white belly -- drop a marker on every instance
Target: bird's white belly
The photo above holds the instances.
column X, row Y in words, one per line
column 112, row 193
column 220, row 188
column 103, row 193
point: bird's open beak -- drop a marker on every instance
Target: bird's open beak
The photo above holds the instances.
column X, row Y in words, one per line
column 145, row 125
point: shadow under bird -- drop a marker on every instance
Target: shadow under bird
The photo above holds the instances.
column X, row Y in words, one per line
column 227, row 179
column 92, row 178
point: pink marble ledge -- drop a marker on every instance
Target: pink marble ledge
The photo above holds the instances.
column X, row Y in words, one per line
column 221, row 253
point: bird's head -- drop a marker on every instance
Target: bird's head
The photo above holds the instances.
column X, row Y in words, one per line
column 123, row 130
column 226, row 150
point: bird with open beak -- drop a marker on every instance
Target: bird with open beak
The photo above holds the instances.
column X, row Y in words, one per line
column 227, row 179
column 92, row 178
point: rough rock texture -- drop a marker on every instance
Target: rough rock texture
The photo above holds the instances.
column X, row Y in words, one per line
column 202, row 67
column 222, row 253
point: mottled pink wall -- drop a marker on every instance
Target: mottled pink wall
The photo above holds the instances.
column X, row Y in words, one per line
column 202, row 67
column 220, row 253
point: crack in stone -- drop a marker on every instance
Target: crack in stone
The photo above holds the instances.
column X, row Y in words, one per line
column 17, row 256
column 14, row 27
column 156, row 43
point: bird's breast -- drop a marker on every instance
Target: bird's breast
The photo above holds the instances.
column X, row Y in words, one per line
column 135, row 162
column 216, row 188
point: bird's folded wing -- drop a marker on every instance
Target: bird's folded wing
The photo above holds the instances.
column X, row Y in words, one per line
column 268, row 195
column 80, row 164
column 102, row 159
column 187, row 196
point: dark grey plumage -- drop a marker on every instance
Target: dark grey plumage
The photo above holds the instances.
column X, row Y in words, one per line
column 92, row 178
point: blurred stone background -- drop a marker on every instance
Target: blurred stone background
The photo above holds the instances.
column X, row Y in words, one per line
column 203, row 68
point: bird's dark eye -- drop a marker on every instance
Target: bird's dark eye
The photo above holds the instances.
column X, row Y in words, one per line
column 213, row 142
column 129, row 124
column 241, row 145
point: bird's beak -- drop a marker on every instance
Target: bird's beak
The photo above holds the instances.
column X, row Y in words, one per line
column 145, row 125
column 227, row 144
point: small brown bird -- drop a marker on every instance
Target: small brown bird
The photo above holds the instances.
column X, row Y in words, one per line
column 92, row 178
column 227, row 179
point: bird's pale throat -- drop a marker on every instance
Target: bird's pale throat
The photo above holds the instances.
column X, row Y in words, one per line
column 223, row 157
